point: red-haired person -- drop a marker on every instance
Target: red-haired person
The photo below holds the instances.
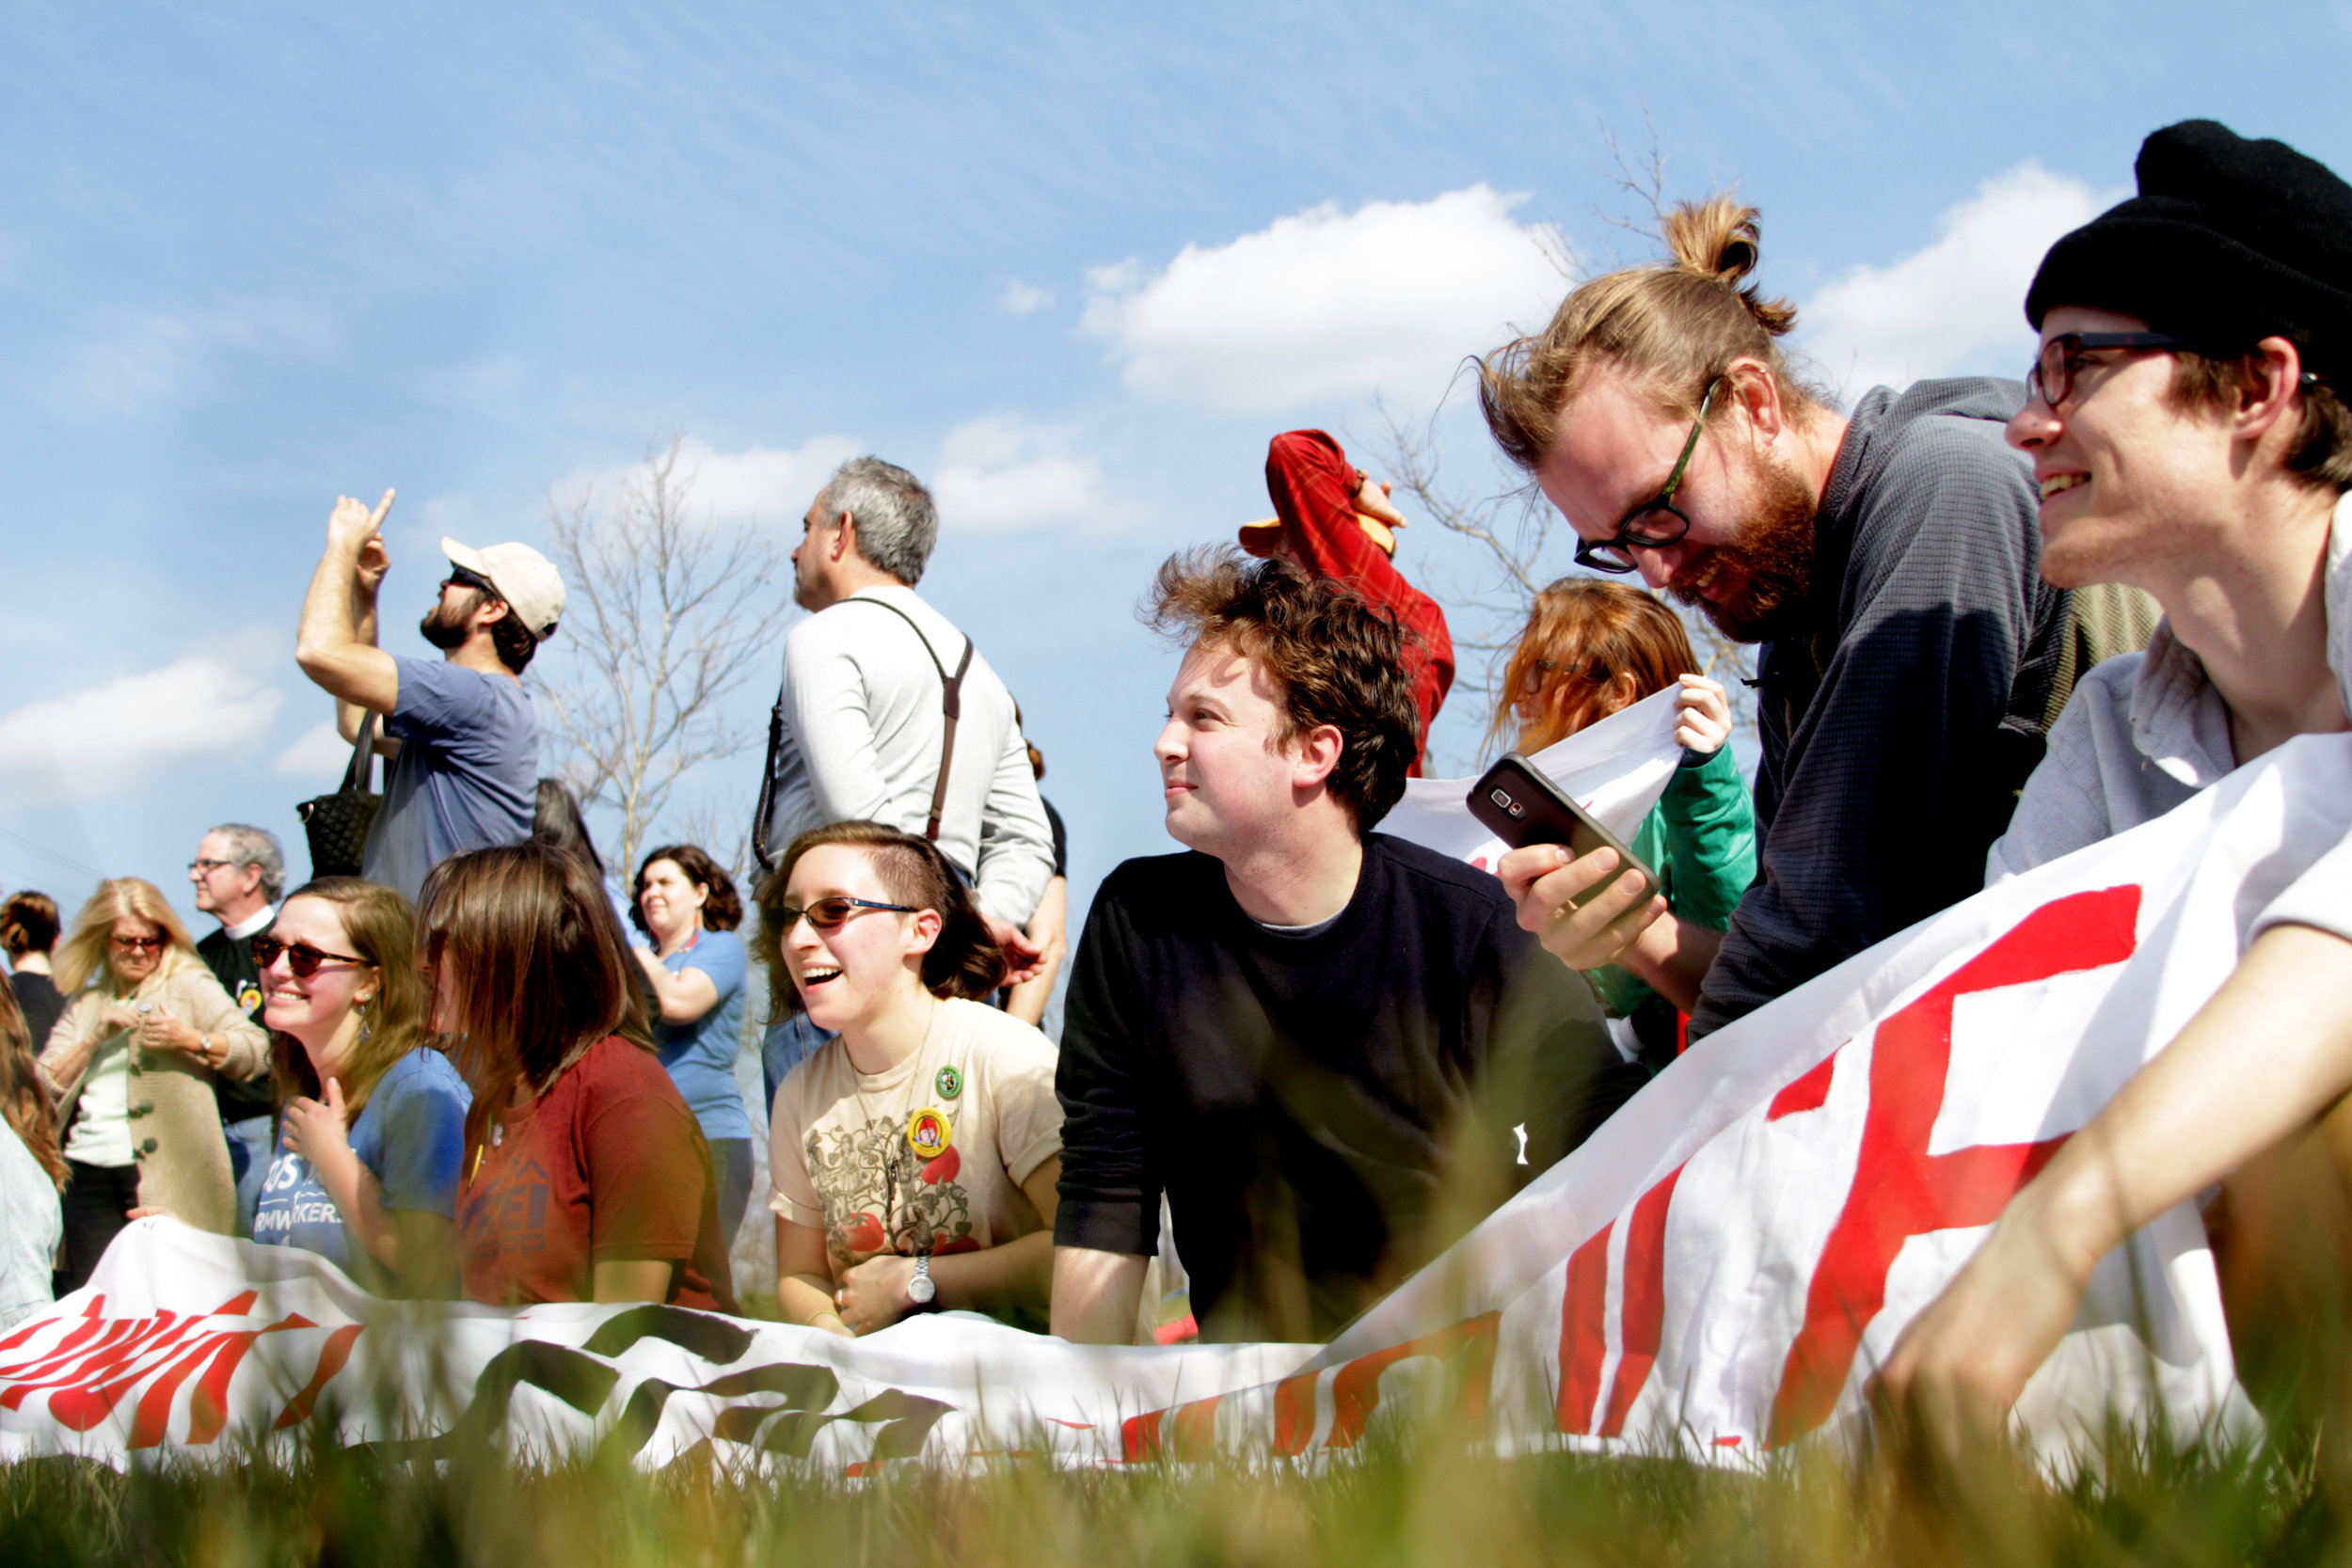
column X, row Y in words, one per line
column 32, row 1174
column 914, row 1155
column 133, row 1090
column 1592, row 648
column 586, row 1177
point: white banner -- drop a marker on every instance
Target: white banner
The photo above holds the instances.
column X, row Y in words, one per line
column 1717, row 1271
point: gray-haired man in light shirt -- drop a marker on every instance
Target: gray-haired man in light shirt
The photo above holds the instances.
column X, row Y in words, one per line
column 860, row 729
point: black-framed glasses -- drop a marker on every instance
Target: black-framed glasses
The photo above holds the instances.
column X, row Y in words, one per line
column 831, row 914
column 139, row 944
column 301, row 958
column 2052, row 378
column 1656, row 522
column 204, row 868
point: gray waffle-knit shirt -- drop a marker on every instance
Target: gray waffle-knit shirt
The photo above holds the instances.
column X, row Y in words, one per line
column 1898, row 725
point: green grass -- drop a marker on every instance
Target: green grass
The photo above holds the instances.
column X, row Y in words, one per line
column 1448, row 1506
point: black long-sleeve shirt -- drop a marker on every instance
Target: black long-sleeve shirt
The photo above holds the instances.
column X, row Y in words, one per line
column 1898, row 727
column 1322, row 1111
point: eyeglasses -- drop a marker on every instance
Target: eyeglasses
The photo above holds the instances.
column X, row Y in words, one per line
column 138, row 944
column 2052, row 378
column 831, row 914
column 1656, row 522
column 205, row 869
column 460, row 577
column 301, row 958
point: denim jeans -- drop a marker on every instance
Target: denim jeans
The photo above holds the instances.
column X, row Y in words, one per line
column 249, row 1149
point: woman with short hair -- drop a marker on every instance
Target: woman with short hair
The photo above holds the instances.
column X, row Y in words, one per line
column 373, row 1124
column 686, row 903
column 586, row 1177
column 134, row 1091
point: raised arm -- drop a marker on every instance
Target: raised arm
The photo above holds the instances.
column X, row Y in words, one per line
column 336, row 643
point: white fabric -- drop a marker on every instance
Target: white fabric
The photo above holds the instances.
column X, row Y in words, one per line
column 1684, row 1281
column 1616, row 769
column 863, row 735
column 31, row 1225
column 101, row 1133
column 252, row 924
column 2144, row 732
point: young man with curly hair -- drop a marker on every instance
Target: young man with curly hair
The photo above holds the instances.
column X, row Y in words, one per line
column 1314, row 1039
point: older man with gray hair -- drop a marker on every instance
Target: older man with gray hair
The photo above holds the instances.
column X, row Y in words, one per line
column 888, row 713
column 239, row 874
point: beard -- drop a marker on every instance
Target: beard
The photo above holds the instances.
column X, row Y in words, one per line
column 1775, row 556
column 445, row 625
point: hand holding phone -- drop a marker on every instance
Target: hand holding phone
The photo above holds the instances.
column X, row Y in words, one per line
column 1523, row 807
column 1586, row 915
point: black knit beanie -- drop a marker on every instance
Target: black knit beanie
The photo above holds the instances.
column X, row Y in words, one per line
column 2228, row 242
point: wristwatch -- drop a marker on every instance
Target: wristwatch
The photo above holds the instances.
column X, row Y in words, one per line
column 920, row 1290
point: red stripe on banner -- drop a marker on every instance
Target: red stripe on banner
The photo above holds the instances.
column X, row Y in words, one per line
column 1139, row 1437
column 107, row 1331
column 76, row 1401
column 332, row 1359
column 1192, row 1435
column 237, row 1305
column 1808, row 1093
column 1584, row 1341
column 1355, row 1391
column 1642, row 1318
column 1899, row 1190
column 1295, row 1412
column 151, row 1419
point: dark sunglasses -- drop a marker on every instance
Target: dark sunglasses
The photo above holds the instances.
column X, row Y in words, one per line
column 138, row 944
column 1656, row 522
column 831, row 914
column 301, row 958
column 463, row 578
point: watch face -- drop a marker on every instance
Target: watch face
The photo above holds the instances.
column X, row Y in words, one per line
column 920, row 1287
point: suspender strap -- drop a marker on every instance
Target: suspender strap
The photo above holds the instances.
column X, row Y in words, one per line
column 950, row 707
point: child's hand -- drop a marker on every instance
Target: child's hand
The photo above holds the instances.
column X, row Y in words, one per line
column 1702, row 715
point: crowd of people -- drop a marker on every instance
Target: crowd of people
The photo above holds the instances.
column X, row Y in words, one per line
column 1315, row 1051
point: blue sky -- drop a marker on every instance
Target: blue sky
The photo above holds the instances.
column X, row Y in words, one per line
column 1074, row 264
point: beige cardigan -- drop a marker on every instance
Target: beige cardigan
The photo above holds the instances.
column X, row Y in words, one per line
column 176, row 1139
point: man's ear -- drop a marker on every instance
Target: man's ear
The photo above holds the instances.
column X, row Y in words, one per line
column 489, row 611
column 1315, row 754
column 1750, row 386
column 842, row 540
column 2273, row 390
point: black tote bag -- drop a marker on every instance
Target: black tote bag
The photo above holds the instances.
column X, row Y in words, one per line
column 337, row 825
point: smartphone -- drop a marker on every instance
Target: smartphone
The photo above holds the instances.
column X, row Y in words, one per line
column 1523, row 807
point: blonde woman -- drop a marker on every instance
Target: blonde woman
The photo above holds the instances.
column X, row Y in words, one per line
column 373, row 1122
column 130, row 1067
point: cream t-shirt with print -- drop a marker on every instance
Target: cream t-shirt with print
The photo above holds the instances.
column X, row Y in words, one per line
column 841, row 1159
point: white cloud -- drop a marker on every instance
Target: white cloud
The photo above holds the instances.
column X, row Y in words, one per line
column 133, row 361
column 1958, row 306
column 762, row 483
column 322, row 753
column 127, row 735
column 1001, row 472
column 1325, row 306
column 1023, row 299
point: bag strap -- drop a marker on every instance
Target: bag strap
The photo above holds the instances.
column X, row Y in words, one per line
column 760, row 813
column 950, row 707
column 360, row 775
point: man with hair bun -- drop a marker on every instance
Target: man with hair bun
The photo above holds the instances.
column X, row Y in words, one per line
column 1314, row 1039
column 2190, row 436
column 1884, row 559
column 889, row 714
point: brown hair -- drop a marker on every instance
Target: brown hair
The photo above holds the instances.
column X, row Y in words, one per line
column 380, row 930
column 23, row 1103
column 964, row 960
column 722, row 911
column 1336, row 660
column 2321, row 455
column 535, row 966
column 1673, row 328
column 84, row 953
column 1583, row 634
column 29, row 923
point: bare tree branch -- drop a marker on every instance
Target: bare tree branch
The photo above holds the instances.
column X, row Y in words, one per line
column 667, row 617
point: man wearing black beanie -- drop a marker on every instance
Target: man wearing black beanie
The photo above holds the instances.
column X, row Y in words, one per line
column 2188, row 437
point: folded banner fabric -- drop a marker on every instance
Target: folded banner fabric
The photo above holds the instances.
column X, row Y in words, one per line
column 1715, row 1273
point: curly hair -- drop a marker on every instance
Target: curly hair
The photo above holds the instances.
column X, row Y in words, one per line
column 964, row 961
column 1582, row 636
column 1337, row 660
column 723, row 910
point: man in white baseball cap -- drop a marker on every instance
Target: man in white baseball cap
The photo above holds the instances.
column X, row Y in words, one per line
column 461, row 732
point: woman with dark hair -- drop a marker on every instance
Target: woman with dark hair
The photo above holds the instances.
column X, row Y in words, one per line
column 372, row 1121
column 1592, row 648
column 28, row 929
column 556, row 820
column 135, row 1093
column 914, row 1157
column 696, row 968
column 32, row 1174
column 586, row 1177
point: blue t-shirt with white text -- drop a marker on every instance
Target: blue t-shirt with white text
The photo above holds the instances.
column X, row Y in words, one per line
column 467, row 776
column 701, row 1055
column 410, row 1135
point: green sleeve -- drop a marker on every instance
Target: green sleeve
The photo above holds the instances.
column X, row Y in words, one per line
column 1708, row 819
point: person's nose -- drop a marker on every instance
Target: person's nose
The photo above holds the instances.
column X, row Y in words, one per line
column 2034, row 426
column 1661, row 565
column 1169, row 748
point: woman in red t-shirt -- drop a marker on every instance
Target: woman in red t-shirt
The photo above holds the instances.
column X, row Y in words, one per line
column 586, row 1177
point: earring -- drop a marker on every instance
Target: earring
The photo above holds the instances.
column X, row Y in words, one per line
column 367, row 1029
